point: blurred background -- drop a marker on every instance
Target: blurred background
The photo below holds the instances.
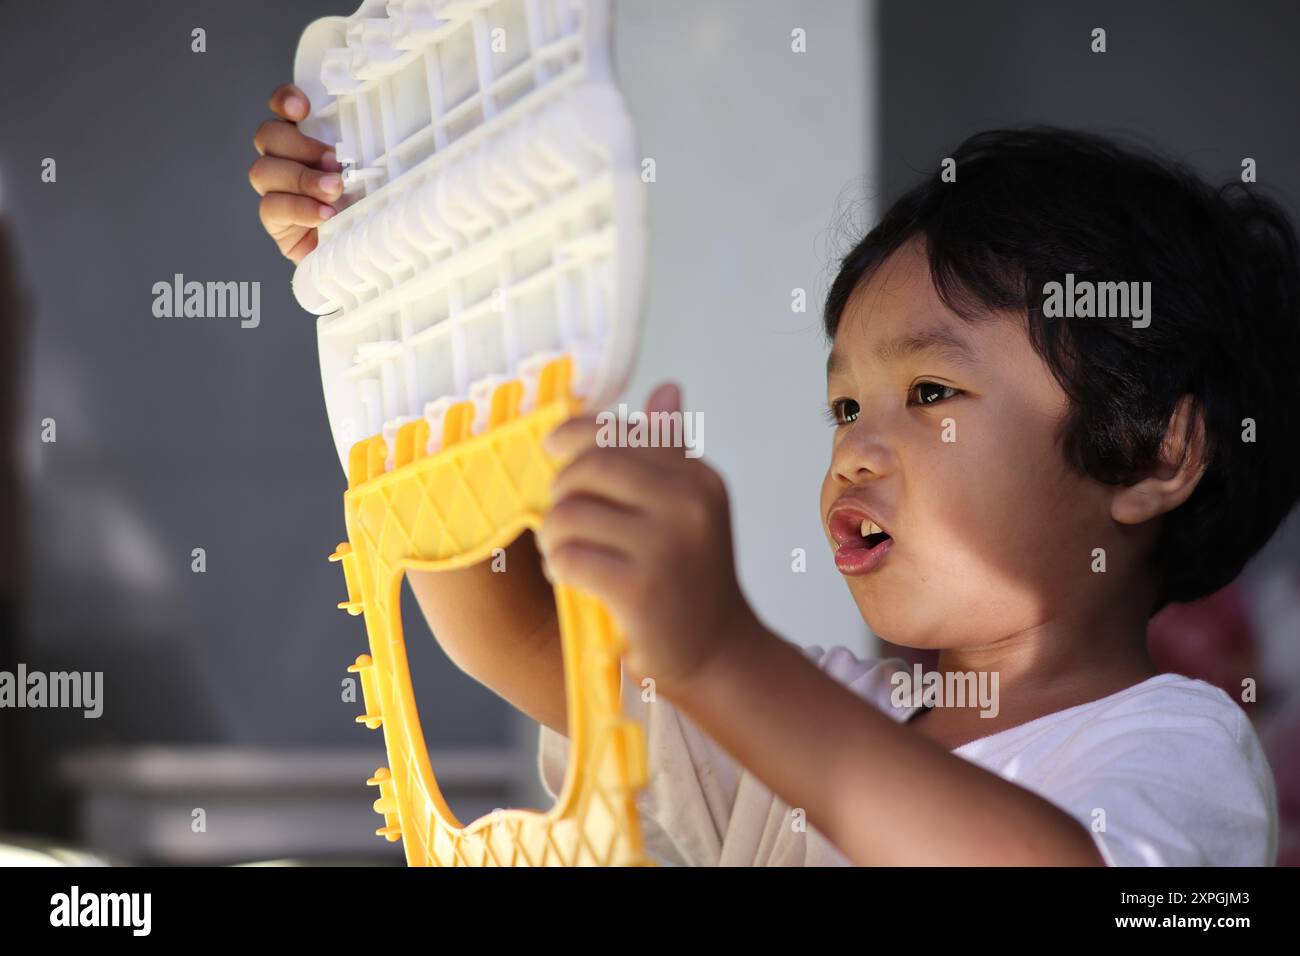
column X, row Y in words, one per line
column 223, row 689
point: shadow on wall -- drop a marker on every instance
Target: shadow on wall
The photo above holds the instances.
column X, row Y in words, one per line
column 12, row 310
column 107, row 566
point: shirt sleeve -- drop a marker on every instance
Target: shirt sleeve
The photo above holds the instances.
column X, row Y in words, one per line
column 688, row 809
column 1181, row 787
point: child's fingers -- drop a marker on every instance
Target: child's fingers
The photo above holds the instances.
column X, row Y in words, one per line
column 571, row 436
column 278, row 210
column 289, row 102
column 666, row 397
column 588, row 567
column 592, row 520
column 299, row 250
column 296, row 176
column 582, row 431
column 270, row 174
column 619, row 475
column 278, row 138
column 284, row 139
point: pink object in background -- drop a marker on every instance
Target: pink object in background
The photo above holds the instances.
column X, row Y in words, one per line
column 1281, row 741
column 1212, row 639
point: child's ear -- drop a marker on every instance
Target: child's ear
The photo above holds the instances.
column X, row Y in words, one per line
column 1174, row 476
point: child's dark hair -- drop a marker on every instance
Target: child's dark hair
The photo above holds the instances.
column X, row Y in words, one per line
column 1029, row 206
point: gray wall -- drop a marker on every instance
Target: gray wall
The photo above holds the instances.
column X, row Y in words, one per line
column 758, row 152
column 1204, row 81
column 173, row 433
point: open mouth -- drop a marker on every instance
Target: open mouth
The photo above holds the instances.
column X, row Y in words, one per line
column 861, row 543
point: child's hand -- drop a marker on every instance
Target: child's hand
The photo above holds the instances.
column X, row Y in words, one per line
column 648, row 531
column 296, row 176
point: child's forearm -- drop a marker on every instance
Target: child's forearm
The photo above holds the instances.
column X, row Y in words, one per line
column 881, row 793
column 501, row 628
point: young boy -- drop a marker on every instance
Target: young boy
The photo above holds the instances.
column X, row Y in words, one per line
column 1019, row 490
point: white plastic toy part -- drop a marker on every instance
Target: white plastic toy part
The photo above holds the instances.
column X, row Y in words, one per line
column 493, row 209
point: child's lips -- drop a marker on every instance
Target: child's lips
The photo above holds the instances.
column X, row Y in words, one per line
column 855, row 557
column 849, row 524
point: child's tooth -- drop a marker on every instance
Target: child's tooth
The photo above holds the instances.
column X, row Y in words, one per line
column 869, row 527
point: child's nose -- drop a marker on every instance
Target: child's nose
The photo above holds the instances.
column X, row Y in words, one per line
column 861, row 454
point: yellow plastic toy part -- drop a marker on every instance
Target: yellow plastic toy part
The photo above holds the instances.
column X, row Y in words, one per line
column 448, row 510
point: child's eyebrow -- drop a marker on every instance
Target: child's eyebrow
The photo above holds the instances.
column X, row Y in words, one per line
column 936, row 340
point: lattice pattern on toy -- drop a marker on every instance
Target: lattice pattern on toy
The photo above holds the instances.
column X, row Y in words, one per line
column 493, row 216
column 450, row 509
column 410, row 82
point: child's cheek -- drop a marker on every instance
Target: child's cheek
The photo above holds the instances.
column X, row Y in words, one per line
column 830, row 491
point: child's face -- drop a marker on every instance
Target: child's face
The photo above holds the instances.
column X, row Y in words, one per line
column 992, row 534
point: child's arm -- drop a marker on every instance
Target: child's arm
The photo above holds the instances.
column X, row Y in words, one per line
column 883, row 794
column 501, row 628
column 648, row 531
column 700, row 807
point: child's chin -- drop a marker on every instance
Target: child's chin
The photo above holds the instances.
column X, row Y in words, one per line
column 900, row 626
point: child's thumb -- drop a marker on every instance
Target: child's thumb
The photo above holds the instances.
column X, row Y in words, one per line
column 666, row 397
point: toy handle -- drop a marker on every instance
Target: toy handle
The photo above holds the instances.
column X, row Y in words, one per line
column 437, row 511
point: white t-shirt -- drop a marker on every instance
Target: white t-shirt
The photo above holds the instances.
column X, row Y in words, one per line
column 1173, row 762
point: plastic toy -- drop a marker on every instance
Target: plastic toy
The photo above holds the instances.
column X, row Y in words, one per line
column 480, row 283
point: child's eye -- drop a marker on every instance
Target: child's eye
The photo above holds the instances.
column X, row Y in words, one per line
column 841, row 411
column 932, row 392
